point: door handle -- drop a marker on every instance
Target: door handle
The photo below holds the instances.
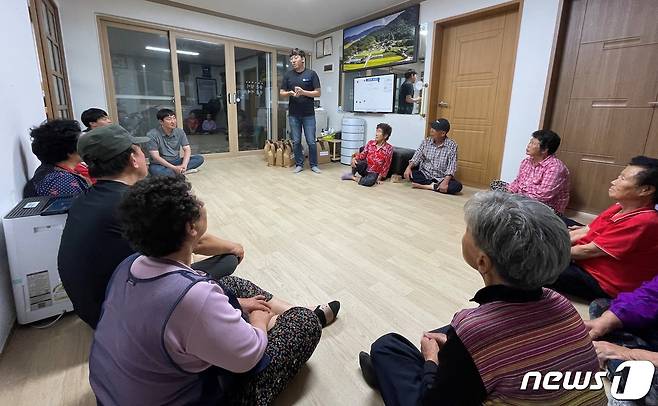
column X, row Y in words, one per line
column 443, row 104
column 228, row 98
column 654, row 104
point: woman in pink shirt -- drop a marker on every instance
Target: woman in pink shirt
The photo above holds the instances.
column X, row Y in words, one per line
column 171, row 335
column 541, row 176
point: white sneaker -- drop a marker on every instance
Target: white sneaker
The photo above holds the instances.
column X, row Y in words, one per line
column 316, row 169
column 297, row 169
column 187, row 172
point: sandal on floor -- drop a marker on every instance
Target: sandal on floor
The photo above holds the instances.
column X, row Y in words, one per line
column 327, row 313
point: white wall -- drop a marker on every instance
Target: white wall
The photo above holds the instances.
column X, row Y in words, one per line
column 538, row 23
column 21, row 107
column 82, row 44
column 533, row 57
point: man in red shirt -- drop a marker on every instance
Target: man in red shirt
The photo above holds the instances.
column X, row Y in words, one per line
column 619, row 249
column 373, row 163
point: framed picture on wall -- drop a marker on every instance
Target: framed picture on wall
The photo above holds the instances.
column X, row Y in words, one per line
column 206, row 89
column 327, row 46
column 120, row 62
column 319, row 48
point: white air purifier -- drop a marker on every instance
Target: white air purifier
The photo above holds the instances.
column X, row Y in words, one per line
column 353, row 135
column 33, row 230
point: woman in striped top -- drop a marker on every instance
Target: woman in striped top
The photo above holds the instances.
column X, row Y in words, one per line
column 517, row 245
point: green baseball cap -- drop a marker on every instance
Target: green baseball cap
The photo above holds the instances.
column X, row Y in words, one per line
column 104, row 143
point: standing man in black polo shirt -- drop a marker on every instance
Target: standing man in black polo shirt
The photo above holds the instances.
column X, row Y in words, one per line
column 301, row 86
column 92, row 243
column 406, row 97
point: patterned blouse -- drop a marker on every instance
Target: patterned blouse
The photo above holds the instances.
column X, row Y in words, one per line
column 546, row 181
column 54, row 181
column 378, row 158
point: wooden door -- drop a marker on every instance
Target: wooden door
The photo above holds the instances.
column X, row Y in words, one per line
column 475, row 81
column 605, row 98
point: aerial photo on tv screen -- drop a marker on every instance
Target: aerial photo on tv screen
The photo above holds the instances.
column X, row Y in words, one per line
column 388, row 40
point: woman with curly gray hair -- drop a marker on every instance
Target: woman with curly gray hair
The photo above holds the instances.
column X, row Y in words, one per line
column 169, row 334
column 517, row 245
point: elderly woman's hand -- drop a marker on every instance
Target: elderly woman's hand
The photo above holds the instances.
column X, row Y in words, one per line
column 238, row 251
column 261, row 319
column 606, row 351
column 430, row 349
column 430, row 344
column 440, row 338
column 601, row 326
column 577, row 232
column 254, row 303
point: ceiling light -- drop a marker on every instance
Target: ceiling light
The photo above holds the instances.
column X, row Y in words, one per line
column 150, row 48
column 178, row 51
column 202, row 41
column 187, row 53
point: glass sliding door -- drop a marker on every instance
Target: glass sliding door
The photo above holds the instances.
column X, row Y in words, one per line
column 202, row 76
column 282, row 66
column 141, row 76
column 253, row 79
column 223, row 91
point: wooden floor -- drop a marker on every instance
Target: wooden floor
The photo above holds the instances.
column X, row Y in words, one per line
column 390, row 254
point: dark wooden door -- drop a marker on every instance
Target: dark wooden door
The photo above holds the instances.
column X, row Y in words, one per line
column 606, row 92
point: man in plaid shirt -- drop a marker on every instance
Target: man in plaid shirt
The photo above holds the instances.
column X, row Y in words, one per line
column 541, row 176
column 434, row 164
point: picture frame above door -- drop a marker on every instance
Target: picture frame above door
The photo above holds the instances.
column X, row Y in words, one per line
column 319, row 48
column 327, row 46
column 206, row 89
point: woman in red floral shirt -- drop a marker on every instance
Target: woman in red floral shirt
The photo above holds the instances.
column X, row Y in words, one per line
column 373, row 162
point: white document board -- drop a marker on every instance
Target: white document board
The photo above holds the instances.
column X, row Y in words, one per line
column 374, row 94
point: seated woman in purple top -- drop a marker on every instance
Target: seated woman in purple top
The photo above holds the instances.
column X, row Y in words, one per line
column 55, row 144
column 171, row 335
column 628, row 329
column 209, row 125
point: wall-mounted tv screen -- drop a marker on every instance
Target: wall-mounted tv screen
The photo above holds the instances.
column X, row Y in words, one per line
column 385, row 41
column 374, row 94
